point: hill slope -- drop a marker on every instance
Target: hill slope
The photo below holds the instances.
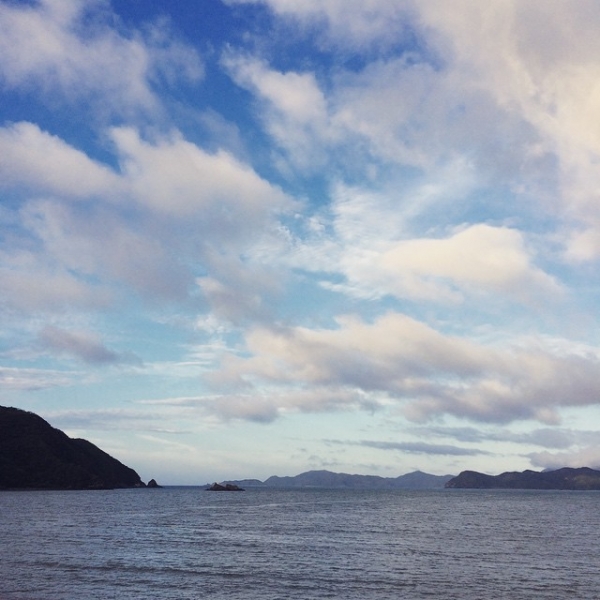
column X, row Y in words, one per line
column 35, row 455
column 567, row 478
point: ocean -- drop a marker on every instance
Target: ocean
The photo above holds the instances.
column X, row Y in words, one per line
column 187, row 543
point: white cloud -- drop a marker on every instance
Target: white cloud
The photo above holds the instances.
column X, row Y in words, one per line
column 539, row 63
column 179, row 179
column 355, row 24
column 392, row 349
column 293, row 107
column 31, row 283
column 233, row 299
column 295, row 95
column 67, row 47
column 370, row 238
column 429, row 373
column 39, row 161
column 490, row 259
column 511, row 86
column 172, row 211
column 100, row 244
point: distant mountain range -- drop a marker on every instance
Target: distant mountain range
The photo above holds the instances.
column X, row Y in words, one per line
column 326, row 479
column 567, row 478
column 35, row 455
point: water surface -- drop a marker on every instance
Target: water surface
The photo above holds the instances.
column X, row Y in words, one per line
column 184, row 543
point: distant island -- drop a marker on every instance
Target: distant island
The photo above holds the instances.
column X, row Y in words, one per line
column 326, row 479
column 566, row 478
column 35, row 455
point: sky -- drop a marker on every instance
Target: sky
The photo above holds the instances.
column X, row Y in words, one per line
column 244, row 238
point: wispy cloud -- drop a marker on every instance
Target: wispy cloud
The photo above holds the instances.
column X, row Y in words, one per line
column 423, row 448
column 82, row 345
column 18, row 378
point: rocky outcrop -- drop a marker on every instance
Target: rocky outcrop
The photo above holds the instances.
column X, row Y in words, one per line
column 567, row 478
column 152, row 484
column 35, row 455
column 226, row 487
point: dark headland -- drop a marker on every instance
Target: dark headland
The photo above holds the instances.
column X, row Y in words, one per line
column 566, row 478
column 35, row 455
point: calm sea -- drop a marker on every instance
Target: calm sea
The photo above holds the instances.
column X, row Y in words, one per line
column 185, row 543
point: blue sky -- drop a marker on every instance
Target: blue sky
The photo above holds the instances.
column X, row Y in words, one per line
column 258, row 237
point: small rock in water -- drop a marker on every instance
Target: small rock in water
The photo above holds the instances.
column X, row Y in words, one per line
column 227, row 487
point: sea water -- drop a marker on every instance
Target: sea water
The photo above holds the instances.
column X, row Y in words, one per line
column 188, row 543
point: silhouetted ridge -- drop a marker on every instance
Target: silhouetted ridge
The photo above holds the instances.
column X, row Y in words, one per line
column 566, row 478
column 35, row 455
column 328, row 479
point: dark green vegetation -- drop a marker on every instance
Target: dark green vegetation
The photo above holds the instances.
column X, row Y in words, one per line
column 567, row 478
column 35, row 455
column 326, row 479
